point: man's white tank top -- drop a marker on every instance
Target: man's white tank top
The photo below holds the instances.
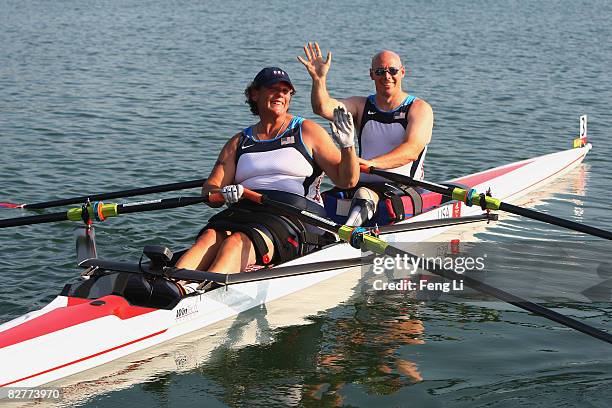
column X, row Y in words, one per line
column 382, row 131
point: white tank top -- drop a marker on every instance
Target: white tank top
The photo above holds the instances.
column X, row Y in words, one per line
column 283, row 163
column 382, row 131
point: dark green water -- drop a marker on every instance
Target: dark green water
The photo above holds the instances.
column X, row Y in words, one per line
column 102, row 96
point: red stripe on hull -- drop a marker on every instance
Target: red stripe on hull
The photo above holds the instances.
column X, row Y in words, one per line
column 72, row 315
column 84, row 358
column 476, row 179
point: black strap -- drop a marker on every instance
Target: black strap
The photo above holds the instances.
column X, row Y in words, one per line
column 306, row 239
column 417, row 200
column 398, row 207
column 286, row 238
column 395, row 191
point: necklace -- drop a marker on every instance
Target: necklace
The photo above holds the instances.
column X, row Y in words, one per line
column 277, row 132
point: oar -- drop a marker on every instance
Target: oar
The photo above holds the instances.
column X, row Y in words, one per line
column 355, row 237
column 428, row 224
column 228, row 279
column 107, row 196
column 470, row 197
column 100, row 211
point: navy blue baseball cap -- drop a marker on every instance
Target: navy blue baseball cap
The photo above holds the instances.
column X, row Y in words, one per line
column 270, row 76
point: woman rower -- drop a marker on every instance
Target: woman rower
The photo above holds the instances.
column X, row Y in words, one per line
column 283, row 156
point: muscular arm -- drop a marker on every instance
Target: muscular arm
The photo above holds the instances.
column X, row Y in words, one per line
column 323, row 104
column 341, row 166
column 224, row 170
column 418, row 135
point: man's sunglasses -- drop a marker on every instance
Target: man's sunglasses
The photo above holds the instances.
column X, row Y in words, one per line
column 391, row 70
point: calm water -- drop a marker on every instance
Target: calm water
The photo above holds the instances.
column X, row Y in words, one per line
column 101, row 96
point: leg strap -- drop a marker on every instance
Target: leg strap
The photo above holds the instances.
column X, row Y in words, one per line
column 261, row 249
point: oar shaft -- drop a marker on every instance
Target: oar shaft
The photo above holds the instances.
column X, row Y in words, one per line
column 509, row 298
column 162, row 204
column 490, row 202
column 551, row 219
column 117, row 194
column 445, row 222
column 409, row 181
column 110, row 210
column 33, row 219
column 233, row 278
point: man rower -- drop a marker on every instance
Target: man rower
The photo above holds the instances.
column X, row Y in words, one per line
column 283, row 156
column 394, row 128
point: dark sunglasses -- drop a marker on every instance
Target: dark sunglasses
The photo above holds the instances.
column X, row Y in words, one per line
column 392, row 71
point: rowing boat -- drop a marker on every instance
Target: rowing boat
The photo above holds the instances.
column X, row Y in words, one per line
column 74, row 333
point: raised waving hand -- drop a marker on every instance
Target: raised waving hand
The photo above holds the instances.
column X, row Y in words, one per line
column 314, row 63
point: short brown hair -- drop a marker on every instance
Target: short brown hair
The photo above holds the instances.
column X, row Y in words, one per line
column 249, row 101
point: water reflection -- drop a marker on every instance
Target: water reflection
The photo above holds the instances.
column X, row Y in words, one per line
column 363, row 349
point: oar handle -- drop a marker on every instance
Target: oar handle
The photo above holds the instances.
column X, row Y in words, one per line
column 253, row 196
column 365, row 169
column 215, row 197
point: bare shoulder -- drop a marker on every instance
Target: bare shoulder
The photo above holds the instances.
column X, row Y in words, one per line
column 421, row 120
column 312, row 131
column 355, row 104
column 421, row 107
column 232, row 143
column 356, row 99
column 316, row 139
column 229, row 149
column 234, row 139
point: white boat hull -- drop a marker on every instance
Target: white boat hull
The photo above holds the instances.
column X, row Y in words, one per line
column 71, row 335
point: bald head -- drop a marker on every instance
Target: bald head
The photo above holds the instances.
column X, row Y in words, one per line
column 386, row 58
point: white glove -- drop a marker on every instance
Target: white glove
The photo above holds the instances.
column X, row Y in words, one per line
column 232, row 193
column 342, row 127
